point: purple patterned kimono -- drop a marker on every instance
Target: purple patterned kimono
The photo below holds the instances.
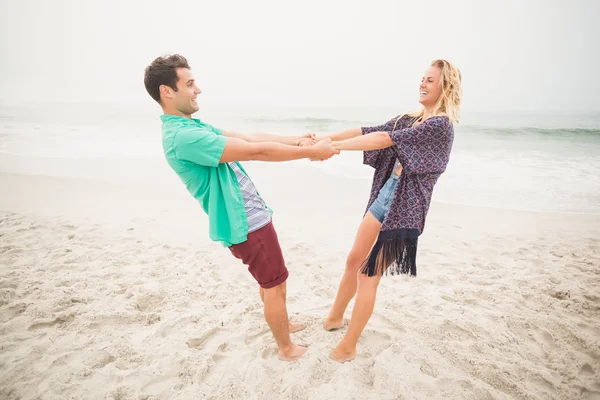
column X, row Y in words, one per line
column 423, row 152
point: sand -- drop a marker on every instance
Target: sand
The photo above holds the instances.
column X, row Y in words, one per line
column 111, row 289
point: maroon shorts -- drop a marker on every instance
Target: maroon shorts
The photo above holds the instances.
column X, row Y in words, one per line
column 262, row 254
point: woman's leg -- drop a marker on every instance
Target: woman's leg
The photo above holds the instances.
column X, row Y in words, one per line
column 365, row 238
column 363, row 308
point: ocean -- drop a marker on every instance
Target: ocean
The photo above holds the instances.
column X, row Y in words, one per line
column 533, row 162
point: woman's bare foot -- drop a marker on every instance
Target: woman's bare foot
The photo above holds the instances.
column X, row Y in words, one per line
column 331, row 324
column 342, row 355
column 296, row 327
column 292, row 353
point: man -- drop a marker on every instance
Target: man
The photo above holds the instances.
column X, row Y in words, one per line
column 206, row 159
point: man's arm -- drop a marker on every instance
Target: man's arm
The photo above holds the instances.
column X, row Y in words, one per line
column 267, row 137
column 241, row 150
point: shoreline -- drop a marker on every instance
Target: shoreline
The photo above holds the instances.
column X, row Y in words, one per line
column 122, row 171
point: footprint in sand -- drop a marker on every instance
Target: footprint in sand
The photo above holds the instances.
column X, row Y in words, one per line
column 121, row 393
column 148, row 302
column 66, row 358
column 586, row 370
column 541, row 342
column 200, row 342
column 67, row 283
column 98, row 359
column 7, row 285
column 13, row 311
column 447, row 298
column 270, row 353
column 560, row 294
column 299, row 248
column 556, row 254
column 48, row 324
column 218, row 358
column 10, row 250
column 591, row 329
column 374, row 343
column 380, row 322
column 253, row 338
column 545, row 338
column 429, row 369
column 451, row 330
column 542, row 384
column 591, row 298
column 223, row 347
column 159, row 384
column 178, row 325
column 324, row 293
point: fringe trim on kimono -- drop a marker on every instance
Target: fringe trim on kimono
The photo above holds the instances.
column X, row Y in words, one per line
column 394, row 253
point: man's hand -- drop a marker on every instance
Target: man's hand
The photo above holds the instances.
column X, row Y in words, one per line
column 307, row 140
column 323, row 150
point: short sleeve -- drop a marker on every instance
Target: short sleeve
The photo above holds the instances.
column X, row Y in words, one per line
column 217, row 131
column 200, row 145
column 371, row 157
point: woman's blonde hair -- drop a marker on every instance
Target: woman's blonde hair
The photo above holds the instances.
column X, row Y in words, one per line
column 449, row 102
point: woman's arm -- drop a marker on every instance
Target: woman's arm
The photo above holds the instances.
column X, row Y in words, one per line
column 356, row 132
column 372, row 141
column 343, row 135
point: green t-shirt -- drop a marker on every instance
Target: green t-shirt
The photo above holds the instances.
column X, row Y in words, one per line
column 193, row 149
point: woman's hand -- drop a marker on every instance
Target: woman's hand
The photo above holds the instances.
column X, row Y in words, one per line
column 307, row 139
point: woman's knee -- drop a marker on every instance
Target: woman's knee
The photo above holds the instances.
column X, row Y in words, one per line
column 354, row 261
column 367, row 281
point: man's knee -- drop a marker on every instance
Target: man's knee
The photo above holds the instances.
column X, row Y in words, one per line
column 279, row 290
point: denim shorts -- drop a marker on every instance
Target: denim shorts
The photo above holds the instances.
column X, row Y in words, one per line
column 381, row 205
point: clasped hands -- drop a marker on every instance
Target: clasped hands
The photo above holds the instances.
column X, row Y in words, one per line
column 324, row 148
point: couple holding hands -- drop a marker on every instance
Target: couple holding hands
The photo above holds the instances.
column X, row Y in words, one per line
column 408, row 154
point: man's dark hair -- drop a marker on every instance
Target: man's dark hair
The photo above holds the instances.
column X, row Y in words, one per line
column 163, row 71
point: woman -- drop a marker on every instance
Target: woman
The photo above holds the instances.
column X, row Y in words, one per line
column 409, row 153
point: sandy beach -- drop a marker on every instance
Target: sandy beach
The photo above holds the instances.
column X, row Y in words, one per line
column 111, row 289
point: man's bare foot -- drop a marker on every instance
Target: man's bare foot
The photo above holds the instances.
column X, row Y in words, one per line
column 296, row 327
column 341, row 355
column 292, row 353
column 331, row 324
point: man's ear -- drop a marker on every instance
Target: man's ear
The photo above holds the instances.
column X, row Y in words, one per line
column 166, row 91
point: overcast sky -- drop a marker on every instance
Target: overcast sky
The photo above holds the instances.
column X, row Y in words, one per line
column 514, row 55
